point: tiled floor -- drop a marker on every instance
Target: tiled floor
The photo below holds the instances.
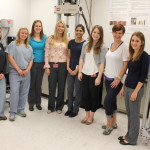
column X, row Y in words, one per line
column 42, row 131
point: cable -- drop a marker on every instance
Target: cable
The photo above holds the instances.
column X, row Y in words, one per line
column 89, row 14
column 5, row 35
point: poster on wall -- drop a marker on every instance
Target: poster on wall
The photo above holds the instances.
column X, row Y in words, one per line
column 133, row 14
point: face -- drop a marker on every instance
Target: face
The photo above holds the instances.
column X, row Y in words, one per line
column 136, row 43
column 79, row 32
column 96, row 34
column 118, row 35
column 23, row 35
column 60, row 28
column 37, row 27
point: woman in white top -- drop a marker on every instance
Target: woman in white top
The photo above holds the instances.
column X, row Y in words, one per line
column 91, row 67
column 116, row 65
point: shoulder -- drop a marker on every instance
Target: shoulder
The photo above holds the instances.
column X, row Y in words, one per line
column 144, row 55
column 104, row 48
column 44, row 37
column 124, row 46
column 72, row 41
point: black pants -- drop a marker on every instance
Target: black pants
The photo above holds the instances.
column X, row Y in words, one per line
column 90, row 93
column 57, row 76
column 110, row 102
column 34, row 96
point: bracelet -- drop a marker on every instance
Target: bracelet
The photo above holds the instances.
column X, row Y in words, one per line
column 118, row 77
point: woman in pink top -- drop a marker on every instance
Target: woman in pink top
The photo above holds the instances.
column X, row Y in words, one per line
column 56, row 66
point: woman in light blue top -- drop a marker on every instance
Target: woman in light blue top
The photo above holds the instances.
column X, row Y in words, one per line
column 37, row 42
column 20, row 57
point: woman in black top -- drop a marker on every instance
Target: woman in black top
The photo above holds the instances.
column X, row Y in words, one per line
column 133, row 89
column 2, row 79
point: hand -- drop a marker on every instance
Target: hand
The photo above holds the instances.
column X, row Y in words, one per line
column 25, row 72
column 69, row 70
column 73, row 73
column 1, row 76
column 97, row 81
column 133, row 96
column 47, row 71
column 122, row 92
column 80, row 76
column 20, row 72
column 115, row 83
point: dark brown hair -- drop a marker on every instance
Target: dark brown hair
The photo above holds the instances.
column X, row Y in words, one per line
column 140, row 35
column 98, row 45
column 32, row 30
column 118, row 27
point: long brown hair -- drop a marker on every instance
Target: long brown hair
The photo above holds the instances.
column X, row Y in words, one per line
column 140, row 35
column 32, row 30
column 18, row 41
column 98, row 45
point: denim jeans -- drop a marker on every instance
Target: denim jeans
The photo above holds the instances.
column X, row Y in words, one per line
column 2, row 95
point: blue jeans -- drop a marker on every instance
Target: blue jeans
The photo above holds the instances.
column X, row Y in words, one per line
column 2, row 95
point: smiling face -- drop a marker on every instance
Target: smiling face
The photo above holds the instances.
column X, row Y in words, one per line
column 79, row 32
column 136, row 43
column 60, row 28
column 117, row 35
column 38, row 27
column 23, row 35
column 96, row 34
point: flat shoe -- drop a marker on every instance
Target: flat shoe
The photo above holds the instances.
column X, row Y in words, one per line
column 121, row 138
column 49, row 111
column 124, row 143
column 89, row 122
column 83, row 121
column 59, row 111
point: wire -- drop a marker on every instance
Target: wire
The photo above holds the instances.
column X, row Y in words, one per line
column 5, row 35
column 89, row 14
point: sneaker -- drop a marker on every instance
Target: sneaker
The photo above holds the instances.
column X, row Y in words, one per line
column 11, row 118
column 114, row 126
column 108, row 131
column 3, row 118
column 22, row 114
column 39, row 107
column 73, row 114
column 68, row 113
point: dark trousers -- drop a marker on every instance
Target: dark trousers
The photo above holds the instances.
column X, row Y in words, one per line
column 34, row 96
column 57, row 76
column 110, row 101
column 90, row 93
column 73, row 83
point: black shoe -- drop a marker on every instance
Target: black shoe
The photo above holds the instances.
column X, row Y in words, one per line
column 68, row 113
column 124, row 143
column 121, row 138
column 73, row 114
column 39, row 107
column 31, row 108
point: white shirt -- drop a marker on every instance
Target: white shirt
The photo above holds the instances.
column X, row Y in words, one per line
column 114, row 61
column 89, row 66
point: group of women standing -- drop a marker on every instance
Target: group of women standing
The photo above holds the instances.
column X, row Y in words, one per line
column 85, row 62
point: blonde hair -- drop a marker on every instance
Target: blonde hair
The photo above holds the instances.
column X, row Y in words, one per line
column 18, row 41
column 64, row 35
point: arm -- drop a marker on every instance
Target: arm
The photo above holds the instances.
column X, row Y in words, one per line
column 80, row 69
column 117, row 79
column 68, row 61
column 47, row 60
column 13, row 63
column 98, row 79
column 25, row 72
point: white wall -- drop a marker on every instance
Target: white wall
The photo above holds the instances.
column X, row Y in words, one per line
column 18, row 10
